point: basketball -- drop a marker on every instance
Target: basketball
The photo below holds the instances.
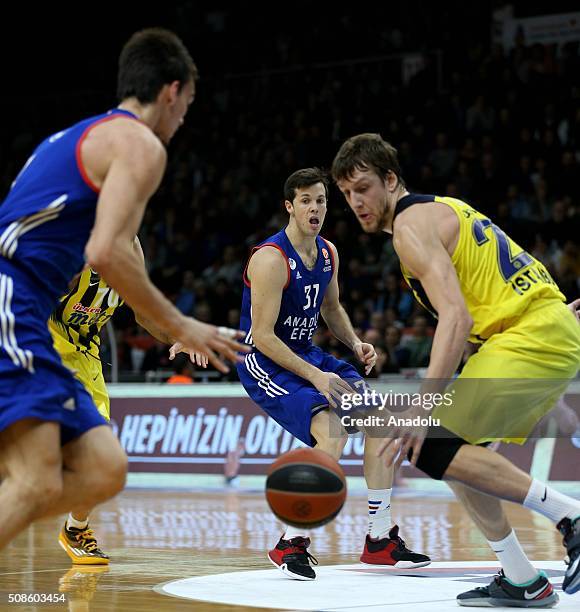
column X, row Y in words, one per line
column 305, row 488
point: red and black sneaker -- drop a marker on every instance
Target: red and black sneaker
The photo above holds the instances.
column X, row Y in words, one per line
column 392, row 551
column 292, row 558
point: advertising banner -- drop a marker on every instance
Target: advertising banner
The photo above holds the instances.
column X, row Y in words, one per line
column 210, row 429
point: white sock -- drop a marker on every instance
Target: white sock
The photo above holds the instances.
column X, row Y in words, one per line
column 516, row 566
column 72, row 522
column 379, row 513
column 550, row 503
column 294, row 532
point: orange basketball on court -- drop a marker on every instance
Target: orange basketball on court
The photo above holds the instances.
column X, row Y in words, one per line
column 305, row 488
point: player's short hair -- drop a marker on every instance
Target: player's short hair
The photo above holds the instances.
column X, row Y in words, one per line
column 366, row 152
column 150, row 59
column 302, row 179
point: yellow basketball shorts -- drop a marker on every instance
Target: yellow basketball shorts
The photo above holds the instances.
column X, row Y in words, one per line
column 88, row 370
column 516, row 377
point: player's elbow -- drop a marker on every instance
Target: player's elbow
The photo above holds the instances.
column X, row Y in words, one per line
column 262, row 341
column 327, row 310
column 458, row 317
column 99, row 257
column 463, row 319
column 105, row 255
column 99, row 262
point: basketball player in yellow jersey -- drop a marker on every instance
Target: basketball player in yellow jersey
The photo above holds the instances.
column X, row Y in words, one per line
column 75, row 326
column 483, row 287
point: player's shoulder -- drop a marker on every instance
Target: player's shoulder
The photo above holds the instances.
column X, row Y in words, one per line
column 330, row 245
column 131, row 137
column 416, row 218
column 269, row 254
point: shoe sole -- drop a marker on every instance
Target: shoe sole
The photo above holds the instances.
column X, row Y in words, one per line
column 88, row 560
column 547, row 602
column 574, row 585
column 284, row 569
column 399, row 564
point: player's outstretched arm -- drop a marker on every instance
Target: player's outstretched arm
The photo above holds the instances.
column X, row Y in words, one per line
column 128, row 162
column 268, row 275
column 339, row 323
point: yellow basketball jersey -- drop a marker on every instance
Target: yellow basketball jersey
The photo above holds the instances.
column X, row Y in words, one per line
column 498, row 279
column 82, row 313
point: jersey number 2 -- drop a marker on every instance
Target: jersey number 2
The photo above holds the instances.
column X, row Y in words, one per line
column 508, row 264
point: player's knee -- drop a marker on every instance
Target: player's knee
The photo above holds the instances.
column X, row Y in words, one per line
column 115, row 472
column 333, row 445
column 437, row 455
column 110, row 473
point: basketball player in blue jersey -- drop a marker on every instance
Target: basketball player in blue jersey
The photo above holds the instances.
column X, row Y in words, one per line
column 484, row 288
column 79, row 200
column 290, row 280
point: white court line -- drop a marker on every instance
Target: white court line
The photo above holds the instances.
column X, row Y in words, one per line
column 64, row 569
column 382, row 605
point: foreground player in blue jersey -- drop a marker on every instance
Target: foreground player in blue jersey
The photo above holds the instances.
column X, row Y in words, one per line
column 80, row 199
column 290, row 280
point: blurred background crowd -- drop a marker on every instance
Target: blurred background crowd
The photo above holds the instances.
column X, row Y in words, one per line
column 472, row 117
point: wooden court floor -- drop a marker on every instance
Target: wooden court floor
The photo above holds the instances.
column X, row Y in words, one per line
column 158, row 536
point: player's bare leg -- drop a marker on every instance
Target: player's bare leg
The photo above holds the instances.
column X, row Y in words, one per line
column 31, row 474
column 97, row 459
column 383, row 546
column 490, row 473
column 50, row 480
column 486, row 512
column 518, row 582
column 76, row 538
column 329, row 433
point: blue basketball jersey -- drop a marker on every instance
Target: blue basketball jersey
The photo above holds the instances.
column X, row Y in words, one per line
column 302, row 296
column 47, row 217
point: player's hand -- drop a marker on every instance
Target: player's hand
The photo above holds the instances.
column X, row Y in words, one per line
column 575, row 309
column 210, row 340
column 404, row 438
column 200, row 359
column 366, row 354
column 333, row 387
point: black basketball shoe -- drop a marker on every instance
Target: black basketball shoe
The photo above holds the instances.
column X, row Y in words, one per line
column 293, row 558
column 501, row 592
column 570, row 529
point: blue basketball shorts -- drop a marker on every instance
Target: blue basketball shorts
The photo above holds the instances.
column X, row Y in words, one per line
column 289, row 399
column 33, row 381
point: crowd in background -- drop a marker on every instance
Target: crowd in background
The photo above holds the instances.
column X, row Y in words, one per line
column 498, row 128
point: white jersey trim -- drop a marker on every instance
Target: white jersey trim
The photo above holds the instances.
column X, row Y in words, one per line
column 9, row 238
